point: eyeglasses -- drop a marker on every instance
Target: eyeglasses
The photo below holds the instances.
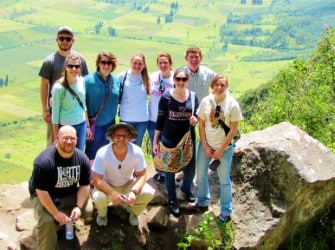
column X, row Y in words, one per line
column 183, row 79
column 66, row 138
column 161, row 87
column 71, row 66
column 120, row 136
column 109, row 63
column 217, row 111
column 66, row 38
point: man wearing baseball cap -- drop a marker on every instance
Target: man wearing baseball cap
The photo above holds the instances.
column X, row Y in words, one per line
column 119, row 175
column 52, row 69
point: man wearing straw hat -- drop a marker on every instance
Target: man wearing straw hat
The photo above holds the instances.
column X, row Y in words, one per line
column 119, row 175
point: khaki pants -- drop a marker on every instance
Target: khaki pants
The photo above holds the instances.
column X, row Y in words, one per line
column 102, row 200
column 50, row 134
column 46, row 224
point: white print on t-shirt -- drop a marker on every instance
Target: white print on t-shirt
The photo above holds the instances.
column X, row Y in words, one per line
column 67, row 176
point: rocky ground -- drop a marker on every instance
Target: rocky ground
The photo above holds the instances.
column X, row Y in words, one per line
column 158, row 229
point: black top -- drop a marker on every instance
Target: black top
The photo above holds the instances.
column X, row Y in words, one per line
column 59, row 176
column 174, row 117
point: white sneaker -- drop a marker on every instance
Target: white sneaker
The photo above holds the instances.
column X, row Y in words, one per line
column 102, row 221
column 134, row 220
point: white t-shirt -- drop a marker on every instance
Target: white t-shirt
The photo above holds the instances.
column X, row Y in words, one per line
column 156, row 93
column 134, row 106
column 108, row 165
column 231, row 112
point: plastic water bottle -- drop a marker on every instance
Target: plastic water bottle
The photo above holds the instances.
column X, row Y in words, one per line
column 69, row 232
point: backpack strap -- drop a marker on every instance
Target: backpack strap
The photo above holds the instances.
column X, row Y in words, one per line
column 193, row 100
column 121, row 87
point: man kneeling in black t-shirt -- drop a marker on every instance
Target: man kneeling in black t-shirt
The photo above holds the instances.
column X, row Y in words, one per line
column 59, row 187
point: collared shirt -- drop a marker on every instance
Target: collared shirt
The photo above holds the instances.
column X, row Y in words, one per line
column 200, row 81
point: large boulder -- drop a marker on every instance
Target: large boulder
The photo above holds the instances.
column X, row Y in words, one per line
column 284, row 179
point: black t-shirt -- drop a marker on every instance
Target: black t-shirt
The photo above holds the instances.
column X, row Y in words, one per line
column 59, row 176
column 173, row 118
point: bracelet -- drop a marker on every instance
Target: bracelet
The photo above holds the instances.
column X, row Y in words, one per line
column 79, row 207
column 87, row 125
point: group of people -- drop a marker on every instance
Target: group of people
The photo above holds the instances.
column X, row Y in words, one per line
column 91, row 160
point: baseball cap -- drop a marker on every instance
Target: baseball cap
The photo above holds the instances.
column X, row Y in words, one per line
column 65, row 29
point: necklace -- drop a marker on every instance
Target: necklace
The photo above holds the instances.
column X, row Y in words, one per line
column 119, row 156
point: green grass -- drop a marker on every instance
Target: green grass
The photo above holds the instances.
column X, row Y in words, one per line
column 20, row 143
column 28, row 30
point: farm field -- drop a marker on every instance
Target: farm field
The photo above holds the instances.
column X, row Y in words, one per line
column 28, row 29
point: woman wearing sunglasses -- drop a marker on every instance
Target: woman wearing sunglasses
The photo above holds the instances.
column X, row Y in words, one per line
column 219, row 114
column 161, row 82
column 102, row 95
column 68, row 100
column 175, row 118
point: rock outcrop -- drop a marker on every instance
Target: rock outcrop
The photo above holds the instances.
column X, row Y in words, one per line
column 283, row 180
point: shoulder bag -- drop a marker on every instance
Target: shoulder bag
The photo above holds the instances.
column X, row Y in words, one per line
column 176, row 159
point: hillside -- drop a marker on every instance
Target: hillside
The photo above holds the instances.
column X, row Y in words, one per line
column 303, row 94
column 235, row 37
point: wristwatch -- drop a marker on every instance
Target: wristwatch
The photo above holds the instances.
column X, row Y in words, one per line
column 134, row 191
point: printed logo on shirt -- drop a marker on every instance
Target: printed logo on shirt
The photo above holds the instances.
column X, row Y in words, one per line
column 67, row 176
column 179, row 116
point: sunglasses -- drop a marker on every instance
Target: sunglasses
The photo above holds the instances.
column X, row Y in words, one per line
column 66, row 38
column 181, row 79
column 217, row 111
column 161, row 87
column 71, row 66
column 109, row 63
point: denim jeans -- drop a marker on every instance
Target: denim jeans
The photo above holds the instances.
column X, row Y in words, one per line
column 203, row 195
column 189, row 173
column 140, row 127
column 81, row 134
column 98, row 141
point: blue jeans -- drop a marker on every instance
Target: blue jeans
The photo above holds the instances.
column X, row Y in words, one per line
column 189, row 173
column 140, row 127
column 81, row 134
column 203, row 195
column 151, row 132
column 98, row 141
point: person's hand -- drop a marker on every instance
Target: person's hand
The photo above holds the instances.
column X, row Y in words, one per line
column 119, row 199
column 193, row 120
column 217, row 154
column 155, row 148
column 131, row 198
column 76, row 213
column 61, row 218
column 89, row 134
column 208, row 151
column 46, row 116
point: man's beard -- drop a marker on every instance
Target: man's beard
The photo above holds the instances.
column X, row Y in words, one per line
column 65, row 49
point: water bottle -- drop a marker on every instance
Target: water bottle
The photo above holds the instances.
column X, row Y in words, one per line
column 69, row 232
